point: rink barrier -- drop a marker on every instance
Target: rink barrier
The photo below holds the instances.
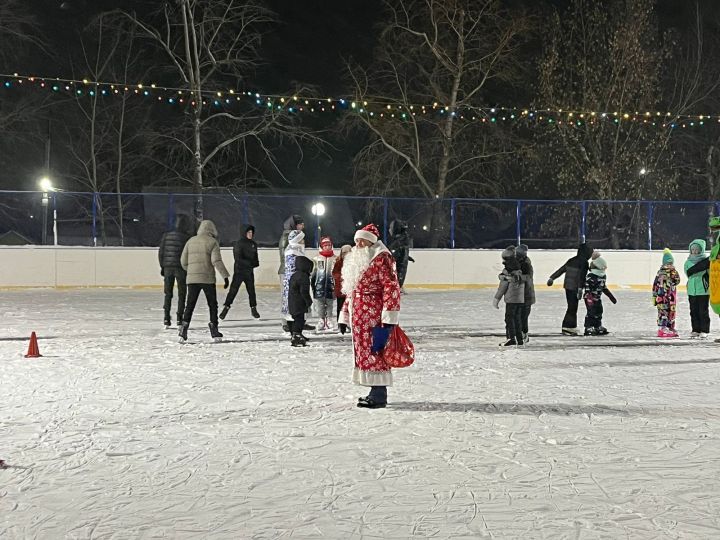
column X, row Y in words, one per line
column 81, row 267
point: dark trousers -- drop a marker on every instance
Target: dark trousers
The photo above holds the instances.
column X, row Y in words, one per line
column 340, row 302
column 525, row 316
column 699, row 313
column 246, row 277
column 593, row 318
column 297, row 323
column 171, row 276
column 192, row 298
column 570, row 320
column 513, row 321
column 378, row 394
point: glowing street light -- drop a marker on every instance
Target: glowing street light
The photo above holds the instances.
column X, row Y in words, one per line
column 46, row 186
column 643, row 171
column 318, row 210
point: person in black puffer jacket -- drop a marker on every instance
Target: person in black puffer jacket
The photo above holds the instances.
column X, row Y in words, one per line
column 246, row 260
column 575, row 270
column 171, row 247
column 299, row 299
column 400, row 245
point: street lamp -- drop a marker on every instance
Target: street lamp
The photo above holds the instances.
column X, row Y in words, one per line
column 46, row 186
column 318, row 210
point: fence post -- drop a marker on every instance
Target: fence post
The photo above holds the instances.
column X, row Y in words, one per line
column 170, row 213
column 385, row 223
column 582, row 226
column 55, row 231
column 452, row 223
column 650, row 220
column 94, row 219
column 518, row 211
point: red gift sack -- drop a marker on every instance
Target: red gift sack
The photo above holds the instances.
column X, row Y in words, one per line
column 399, row 351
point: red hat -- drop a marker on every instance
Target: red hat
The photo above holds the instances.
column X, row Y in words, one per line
column 369, row 232
column 325, row 240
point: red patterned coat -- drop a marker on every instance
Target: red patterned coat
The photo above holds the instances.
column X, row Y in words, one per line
column 375, row 299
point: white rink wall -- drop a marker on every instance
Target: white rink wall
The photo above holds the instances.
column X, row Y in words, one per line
column 51, row 266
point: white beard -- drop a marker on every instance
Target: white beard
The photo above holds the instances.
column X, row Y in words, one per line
column 354, row 266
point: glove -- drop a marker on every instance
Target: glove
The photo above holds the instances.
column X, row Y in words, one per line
column 343, row 328
column 227, row 283
column 162, row 272
column 380, row 336
column 411, row 259
column 549, row 282
column 613, row 300
column 496, row 303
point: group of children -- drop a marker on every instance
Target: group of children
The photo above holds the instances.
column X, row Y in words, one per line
column 322, row 276
column 585, row 279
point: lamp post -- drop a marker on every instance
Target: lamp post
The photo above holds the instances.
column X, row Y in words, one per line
column 46, row 186
column 318, row 209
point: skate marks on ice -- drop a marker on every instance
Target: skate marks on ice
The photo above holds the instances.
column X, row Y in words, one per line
column 532, row 409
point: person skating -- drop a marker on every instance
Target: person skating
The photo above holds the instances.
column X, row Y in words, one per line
column 322, row 284
column 528, row 276
column 373, row 303
column 575, row 270
column 292, row 223
column 246, row 260
column 201, row 258
column 337, row 284
column 299, row 300
column 696, row 269
column 171, row 248
column 665, row 296
column 400, row 245
column 595, row 287
column 511, row 289
column 295, row 248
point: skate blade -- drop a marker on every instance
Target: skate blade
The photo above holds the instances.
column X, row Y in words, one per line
column 182, row 341
column 217, row 340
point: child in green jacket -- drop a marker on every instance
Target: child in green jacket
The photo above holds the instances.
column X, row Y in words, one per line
column 698, row 285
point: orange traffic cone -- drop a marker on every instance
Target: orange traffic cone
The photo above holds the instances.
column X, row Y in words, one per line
column 33, row 349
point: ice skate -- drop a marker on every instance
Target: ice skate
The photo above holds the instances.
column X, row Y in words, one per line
column 214, row 332
column 694, row 335
column 569, row 331
column 254, row 312
column 183, row 331
column 168, row 323
column 224, row 312
column 602, row 331
column 703, row 335
column 508, row 343
column 591, row 331
column 526, row 338
column 298, row 340
column 286, row 326
column 369, row 403
column 308, row 327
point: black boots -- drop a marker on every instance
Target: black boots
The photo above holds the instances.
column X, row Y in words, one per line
column 214, row 332
column 254, row 312
column 182, row 331
column 224, row 312
column 298, row 340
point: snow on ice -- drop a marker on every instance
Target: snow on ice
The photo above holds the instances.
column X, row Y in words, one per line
column 118, row 431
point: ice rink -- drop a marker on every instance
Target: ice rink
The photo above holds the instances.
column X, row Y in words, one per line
column 118, row 431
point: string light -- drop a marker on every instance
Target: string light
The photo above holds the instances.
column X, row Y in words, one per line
column 384, row 108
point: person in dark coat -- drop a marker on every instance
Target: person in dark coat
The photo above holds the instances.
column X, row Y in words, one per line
column 575, row 270
column 246, row 260
column 528, row 275
column 299, row 299
column 171, row 247
column 400, row 244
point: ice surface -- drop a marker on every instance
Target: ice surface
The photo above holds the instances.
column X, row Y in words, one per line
column 120, row 432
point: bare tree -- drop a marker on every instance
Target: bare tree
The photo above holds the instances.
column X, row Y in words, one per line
column 606, row 58
column 435, row 62
column 208, row 44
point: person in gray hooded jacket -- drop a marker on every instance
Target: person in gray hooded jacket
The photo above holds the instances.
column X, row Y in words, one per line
column 512, row 290
column 201, row 258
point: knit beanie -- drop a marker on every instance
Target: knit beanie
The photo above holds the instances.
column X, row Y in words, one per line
column 595, row 254
column 521, row 251
column 668, row 257
column 598, row 266
column 508, row 252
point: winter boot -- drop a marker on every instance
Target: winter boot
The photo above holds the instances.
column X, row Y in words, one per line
column 224, row 312
column 167, row 322
column 569, row 331
column 602, row 331
column 286, row 326
column 298, row 340
column 214, row 332
column 590, row 331
column 508, row 343
column 308, row 327
column 526, row 338
column 182, row 332
column 254, row 312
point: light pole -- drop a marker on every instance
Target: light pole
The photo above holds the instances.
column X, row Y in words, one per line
column 46, row 186
column 318, row 209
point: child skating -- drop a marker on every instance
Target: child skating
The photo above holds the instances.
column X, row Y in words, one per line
column 322, row 285
column 512, row 290
column 595, row 287
column 665, row 296
column 698, row 289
